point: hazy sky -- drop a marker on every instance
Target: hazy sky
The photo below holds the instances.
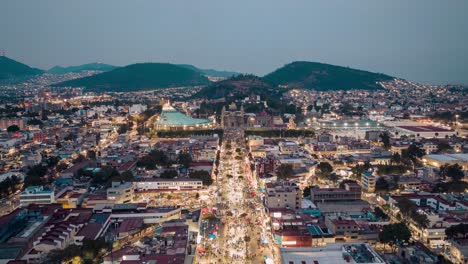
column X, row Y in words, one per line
column 421, row 40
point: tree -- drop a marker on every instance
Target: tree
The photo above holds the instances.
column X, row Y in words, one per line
column 9, row 185
column 455, row 172
column 420, row 219
column 385, row 138
column 122, row 129
column 185, row 159
column 413, row 153
column 379, row 213
column 13, row 128
column 35, row 175
column 358, row 170
column 124, row 176
column 105, row 175
column 457, row 231
column 324, row 168
column 394, row 234
column 443, row 147
column 405, row 205
column 381, row 185
column 333, row 177
column 451, row 187
column 202, row 175
column 66, row 255
column 285, row 171
column 155, row 157
column 169, row 174
column 396, row 158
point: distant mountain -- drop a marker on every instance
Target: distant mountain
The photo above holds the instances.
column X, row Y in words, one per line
column 210, row 72
column 236, row 87
column 140, row 76
column 85, row 67
column 11, row 69
column 320, row 76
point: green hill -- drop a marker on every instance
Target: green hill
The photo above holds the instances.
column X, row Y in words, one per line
column 85, row 67
column 320, row 76
column 210, row 72
column 140, row 76
column 11, row 69
column 235, row 88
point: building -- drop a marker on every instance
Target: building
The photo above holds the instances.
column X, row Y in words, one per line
column 437, row 160
column 336, row 253
column 283, row 195
column 368, row 182
column 36, row 195
column 6, row 122
column 121, row 192
column 171, row 119
column 150, row 215
column 351, row 192
column 161, row 185
column 232, row 118
column 423, row 131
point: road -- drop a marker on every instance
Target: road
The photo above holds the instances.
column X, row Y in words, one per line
column 242, row 214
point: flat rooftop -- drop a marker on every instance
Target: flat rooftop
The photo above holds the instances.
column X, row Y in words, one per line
column 424, row 129
column 336, row 253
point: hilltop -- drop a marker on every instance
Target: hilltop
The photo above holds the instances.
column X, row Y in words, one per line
column 85, row 67
column 140, row 76
column 11, row 69
column 320, row 76
column 210, row 72
column 236, row 87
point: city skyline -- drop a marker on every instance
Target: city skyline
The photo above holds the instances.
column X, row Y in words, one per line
column 418, row 41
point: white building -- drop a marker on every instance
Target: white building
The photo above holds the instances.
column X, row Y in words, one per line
column 331, row 254
column 36, row 195
column 148, row 185
column 121, row 192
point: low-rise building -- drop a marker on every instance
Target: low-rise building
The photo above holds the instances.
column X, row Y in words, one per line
column 36, row 195
column 283, row 195
column 121, row 192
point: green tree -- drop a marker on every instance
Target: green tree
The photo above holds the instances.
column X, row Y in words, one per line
column 443, row 147
column 105, row 175
column 394, row 234
column 413, row 153
column 457, row 231
column 379, row 213
column 455, row 172
column 382, row 185
column 169, row 174
column 13, row 128
column 385, row 138
column 285, row 171
column 405, row 205
column 202, row 175
column 122, row 129
column 396, row 158
column 324, row 169
column 184, row 159
column 35, row 175
column 155, row 157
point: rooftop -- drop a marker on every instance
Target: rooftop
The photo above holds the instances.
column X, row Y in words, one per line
column 172, row 117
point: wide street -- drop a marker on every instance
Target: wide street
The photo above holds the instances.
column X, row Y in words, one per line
column 242, row 236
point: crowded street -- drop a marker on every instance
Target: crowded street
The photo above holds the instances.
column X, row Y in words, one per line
column 242, row 236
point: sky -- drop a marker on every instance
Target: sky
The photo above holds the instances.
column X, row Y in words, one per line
column 419, row 40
